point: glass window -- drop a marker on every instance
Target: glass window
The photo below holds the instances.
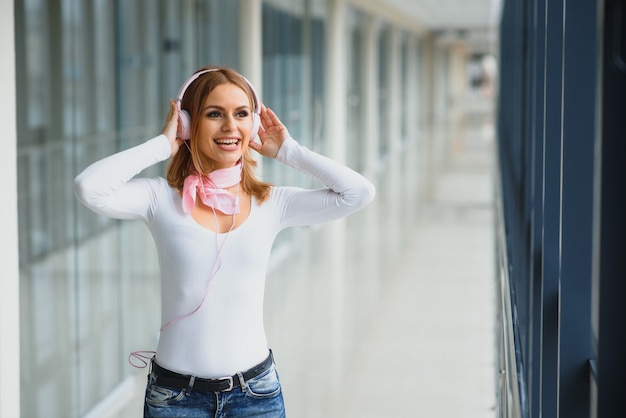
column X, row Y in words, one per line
column 96, row 76
column 404, row 91
column 384, row 56
column 356, row 94
column 293, row 74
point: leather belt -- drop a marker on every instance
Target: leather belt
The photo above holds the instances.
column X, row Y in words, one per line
column 168, row 378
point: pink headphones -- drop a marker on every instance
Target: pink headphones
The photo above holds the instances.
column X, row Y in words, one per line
column 184, row 120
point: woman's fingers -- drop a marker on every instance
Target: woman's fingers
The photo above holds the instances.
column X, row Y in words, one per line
column 171, row 126
column 173, row 114
column 255, row 146
column 272, row 116
column 269, row 118
column 265, row 119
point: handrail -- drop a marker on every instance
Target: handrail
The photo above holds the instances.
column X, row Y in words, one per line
column 511, row 387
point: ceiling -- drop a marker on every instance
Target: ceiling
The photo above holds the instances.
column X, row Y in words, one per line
column 463, row 14
column 473, row 22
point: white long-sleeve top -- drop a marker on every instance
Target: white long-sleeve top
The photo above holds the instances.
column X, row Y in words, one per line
column 226, row 334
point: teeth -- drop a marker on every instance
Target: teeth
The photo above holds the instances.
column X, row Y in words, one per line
column 227, row 141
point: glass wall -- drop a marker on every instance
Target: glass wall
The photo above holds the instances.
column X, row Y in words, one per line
column 95, row 78
column 293, row 73
column 384, row 80
column 356, row 89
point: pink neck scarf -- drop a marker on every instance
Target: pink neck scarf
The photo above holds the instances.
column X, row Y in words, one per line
column 211, row 190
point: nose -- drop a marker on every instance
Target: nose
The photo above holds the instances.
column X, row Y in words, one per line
column 229, row 124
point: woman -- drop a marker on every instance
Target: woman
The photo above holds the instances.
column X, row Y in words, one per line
column 213, row 224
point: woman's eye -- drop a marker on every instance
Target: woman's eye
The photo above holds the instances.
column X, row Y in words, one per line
column 242, row 113
column 214, row 114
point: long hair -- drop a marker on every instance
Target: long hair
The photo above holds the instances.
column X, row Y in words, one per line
column 188, row 160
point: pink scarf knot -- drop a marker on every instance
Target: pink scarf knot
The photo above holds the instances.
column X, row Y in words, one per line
column 211, row 190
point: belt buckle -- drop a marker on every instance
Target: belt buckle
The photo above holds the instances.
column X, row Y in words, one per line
column 230, row 382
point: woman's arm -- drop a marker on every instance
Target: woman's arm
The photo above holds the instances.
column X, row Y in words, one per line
column 107, row 186
column 347, row 192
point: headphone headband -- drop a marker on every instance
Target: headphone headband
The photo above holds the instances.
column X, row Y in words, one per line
column 188, row 82
column 185, row 86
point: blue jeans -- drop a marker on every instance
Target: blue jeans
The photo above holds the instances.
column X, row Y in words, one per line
column 258, row 397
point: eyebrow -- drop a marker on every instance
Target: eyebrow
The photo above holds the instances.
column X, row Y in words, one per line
column 243, row 107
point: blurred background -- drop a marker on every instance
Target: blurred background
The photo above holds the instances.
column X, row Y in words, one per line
column 486, row 279
column 391, row 312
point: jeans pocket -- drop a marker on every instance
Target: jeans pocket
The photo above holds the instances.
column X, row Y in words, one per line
column 159, row 395
column 266, row 385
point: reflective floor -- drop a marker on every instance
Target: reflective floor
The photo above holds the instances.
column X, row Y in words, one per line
column 424, row 346
column 410, row 335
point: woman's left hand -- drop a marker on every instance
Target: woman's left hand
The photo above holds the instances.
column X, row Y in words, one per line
column 272, row 134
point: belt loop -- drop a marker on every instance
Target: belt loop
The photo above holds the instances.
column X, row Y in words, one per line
column 244, row 384
column 192, row 380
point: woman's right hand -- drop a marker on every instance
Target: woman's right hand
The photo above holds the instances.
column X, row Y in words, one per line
column 171, row 126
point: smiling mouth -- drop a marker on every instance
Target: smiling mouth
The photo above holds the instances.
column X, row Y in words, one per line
column 231, row 143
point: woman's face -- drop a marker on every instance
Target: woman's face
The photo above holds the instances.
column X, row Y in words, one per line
column 225, row 125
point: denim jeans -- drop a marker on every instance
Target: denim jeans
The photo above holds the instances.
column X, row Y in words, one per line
column 258, row 397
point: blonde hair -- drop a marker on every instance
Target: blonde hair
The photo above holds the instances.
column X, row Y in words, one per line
column 189, row 160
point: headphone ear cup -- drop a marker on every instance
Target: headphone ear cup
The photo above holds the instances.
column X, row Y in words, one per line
column 184, row 125
column 256, row 124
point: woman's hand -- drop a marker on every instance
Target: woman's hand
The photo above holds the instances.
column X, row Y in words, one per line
column 171, row 126
column 272, row 134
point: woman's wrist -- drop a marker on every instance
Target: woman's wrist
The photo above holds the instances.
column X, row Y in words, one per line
column 283, row 151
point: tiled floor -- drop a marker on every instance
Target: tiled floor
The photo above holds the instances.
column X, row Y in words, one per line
column 410, row 338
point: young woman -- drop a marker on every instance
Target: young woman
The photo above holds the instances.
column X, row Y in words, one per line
column 213, row 224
